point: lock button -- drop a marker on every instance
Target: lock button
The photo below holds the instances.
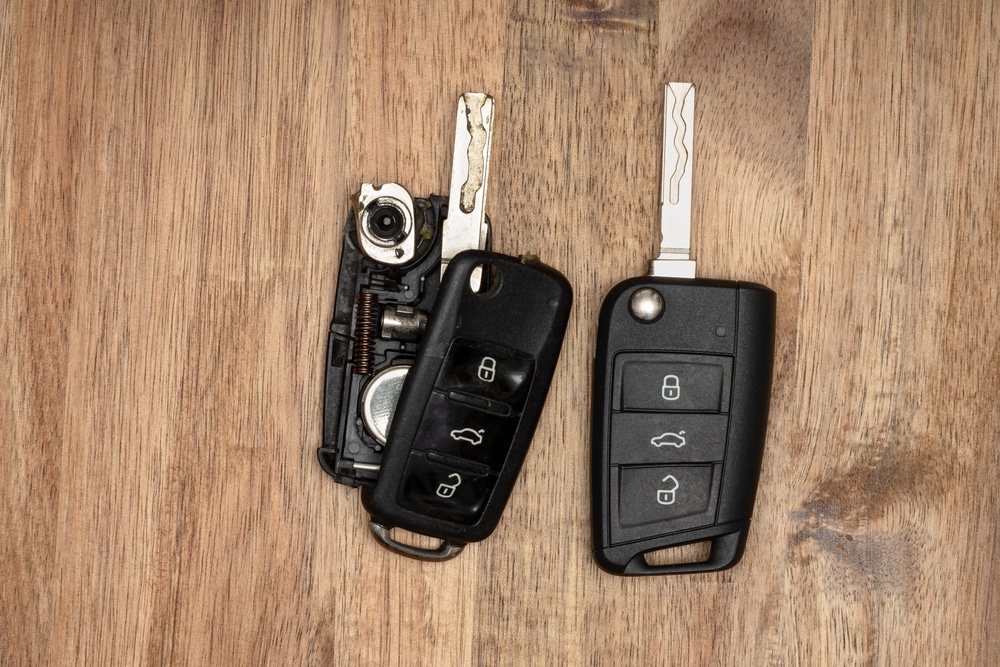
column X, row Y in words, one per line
column 671, row 388
column 488, row 370
column 673, row 383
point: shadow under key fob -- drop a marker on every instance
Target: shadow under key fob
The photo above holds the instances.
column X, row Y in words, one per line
column 468, row 409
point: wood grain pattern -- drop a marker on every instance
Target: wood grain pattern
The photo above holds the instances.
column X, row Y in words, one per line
column 173, row 182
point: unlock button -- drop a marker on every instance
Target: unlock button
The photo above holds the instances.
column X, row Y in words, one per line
column 663, row 493
column 445, row 492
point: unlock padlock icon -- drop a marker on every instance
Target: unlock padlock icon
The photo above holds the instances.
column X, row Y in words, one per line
column 671, row 387
column 668, row 494
column 448, row 490
column 487, row 369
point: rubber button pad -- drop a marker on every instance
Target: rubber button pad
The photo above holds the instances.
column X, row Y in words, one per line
column 669, row 428
column 465, row 434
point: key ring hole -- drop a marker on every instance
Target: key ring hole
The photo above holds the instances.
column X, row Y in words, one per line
column 485, row 279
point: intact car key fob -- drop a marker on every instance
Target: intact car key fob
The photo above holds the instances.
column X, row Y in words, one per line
column 682, row 382
column 470, row 403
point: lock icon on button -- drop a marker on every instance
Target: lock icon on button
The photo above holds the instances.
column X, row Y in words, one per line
column 487, row 369
column 671, row 387
column 448, row 490
column 667, row 495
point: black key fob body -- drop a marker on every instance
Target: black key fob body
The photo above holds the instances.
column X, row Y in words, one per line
column 470, row 402
column 680, row 411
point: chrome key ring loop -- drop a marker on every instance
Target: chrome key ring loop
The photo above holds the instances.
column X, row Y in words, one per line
column 446, row 551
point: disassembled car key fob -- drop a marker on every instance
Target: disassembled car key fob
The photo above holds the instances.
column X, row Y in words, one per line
column 440, row 354
column 682, row 383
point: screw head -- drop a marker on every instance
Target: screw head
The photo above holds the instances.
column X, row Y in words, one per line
column 646, row 305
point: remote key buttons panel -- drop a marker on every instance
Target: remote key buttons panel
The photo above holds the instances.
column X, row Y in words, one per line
column 667, row 441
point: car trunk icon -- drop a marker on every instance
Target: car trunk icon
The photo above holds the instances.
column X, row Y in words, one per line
column 469, row 435
column 673, row 439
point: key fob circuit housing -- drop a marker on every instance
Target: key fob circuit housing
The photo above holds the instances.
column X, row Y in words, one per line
column 365, row 349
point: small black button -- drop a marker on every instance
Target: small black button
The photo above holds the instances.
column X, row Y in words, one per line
column 667, row 437
column 460, row 430
column 663, row 493
column 672, row 385
column 485, row 369
column 444, row 492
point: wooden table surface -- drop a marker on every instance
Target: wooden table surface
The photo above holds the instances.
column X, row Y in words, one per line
column 174, row 180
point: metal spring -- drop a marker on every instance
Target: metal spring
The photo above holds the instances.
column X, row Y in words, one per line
column 365, row 326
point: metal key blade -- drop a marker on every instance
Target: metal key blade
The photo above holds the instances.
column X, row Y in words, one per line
column 466, row 228
column 675, row 191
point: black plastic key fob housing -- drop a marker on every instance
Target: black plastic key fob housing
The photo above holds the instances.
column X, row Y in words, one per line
column 680, row 412
column 363, row 354
column 471, row 401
